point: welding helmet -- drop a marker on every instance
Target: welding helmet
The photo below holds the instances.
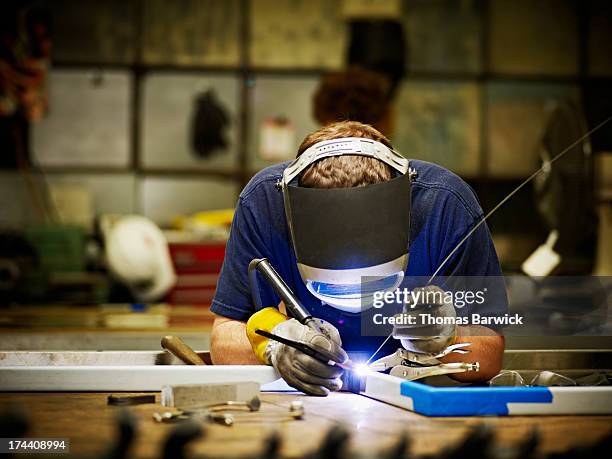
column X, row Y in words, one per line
column 341, row 235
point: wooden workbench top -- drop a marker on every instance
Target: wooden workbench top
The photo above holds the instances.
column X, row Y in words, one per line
column 88, row 422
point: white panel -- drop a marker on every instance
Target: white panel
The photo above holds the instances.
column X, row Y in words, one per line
column 166, row 198
column 569, row 400
column 386, row 388
column 88, row 120
column 286, row 96
column 168, row 107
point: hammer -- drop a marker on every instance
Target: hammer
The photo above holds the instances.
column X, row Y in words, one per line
column 178, row 348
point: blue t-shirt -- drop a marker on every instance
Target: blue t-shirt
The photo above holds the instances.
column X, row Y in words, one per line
column 444, row 209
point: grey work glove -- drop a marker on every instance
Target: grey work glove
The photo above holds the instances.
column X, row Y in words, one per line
column 424, row 338
column 300, row 370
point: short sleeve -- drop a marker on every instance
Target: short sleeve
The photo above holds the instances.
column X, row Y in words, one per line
column 248, row 240
column 475, row 265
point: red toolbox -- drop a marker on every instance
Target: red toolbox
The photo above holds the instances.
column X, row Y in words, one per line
column 197, row 267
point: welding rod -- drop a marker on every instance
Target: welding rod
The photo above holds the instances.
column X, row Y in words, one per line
column 306, row 349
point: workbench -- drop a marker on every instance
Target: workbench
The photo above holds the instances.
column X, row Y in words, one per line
column 89, row 423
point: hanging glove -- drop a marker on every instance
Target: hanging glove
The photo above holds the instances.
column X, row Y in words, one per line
column 298, row 369
column 421, row 337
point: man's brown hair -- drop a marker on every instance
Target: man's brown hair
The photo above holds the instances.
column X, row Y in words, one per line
column 344, row 171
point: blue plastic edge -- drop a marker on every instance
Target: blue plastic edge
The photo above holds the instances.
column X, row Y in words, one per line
column 470, row 401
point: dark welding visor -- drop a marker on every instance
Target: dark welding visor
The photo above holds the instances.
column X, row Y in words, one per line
column 341, row 235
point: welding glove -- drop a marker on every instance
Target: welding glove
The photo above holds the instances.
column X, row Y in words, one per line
column 423, row 337
column 298, row 369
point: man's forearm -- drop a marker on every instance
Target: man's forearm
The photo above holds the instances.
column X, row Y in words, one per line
column 487, row 349
column 229, row 344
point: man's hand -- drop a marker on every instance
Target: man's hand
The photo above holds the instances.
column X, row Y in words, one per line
column 487, row 346
column 424, row 338
column 300, row 370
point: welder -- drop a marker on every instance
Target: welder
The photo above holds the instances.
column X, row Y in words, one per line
column 347, row 208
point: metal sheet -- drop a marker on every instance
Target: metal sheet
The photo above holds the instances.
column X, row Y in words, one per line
column 130, row 378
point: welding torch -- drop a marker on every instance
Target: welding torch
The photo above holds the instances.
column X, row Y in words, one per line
column 294, row 307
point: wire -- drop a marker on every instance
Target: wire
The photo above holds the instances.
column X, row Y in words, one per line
column 501, row 203
column 513, row 192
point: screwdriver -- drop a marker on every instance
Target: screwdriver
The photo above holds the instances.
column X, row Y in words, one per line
column 306, row 349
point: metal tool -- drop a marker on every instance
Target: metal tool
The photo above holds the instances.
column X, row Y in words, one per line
column 180, row 349
column 296, row 411
column 412, row 373
column 125, row 400
column 306, row 349
column 253, row 404
column 404, row 357
column 293, row 305
column 411, row 365
column 225, row 419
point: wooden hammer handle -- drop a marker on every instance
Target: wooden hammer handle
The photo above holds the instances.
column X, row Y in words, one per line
column 177, row 347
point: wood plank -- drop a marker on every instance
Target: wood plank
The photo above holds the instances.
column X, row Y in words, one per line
column 88, row 422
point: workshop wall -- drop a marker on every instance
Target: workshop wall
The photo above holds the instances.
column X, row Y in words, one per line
column 128, row 78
